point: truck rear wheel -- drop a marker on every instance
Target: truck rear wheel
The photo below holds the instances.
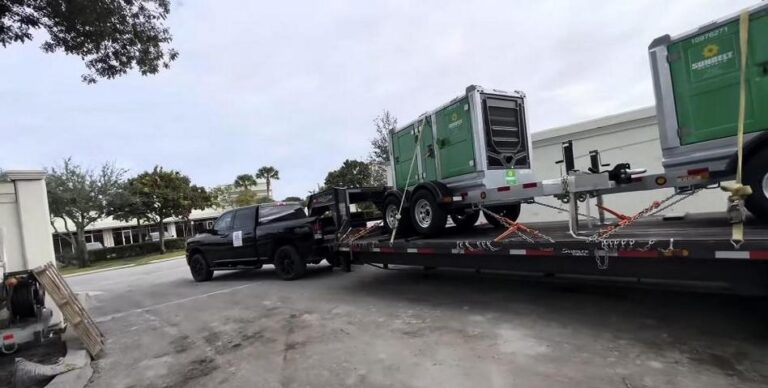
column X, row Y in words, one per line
column 508, row 211
column 464, row 220
column 199, row 268
column 289, row 265
column 427, row 217
column 756, row 176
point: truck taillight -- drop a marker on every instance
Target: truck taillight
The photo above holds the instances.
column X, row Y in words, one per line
column 316, row 228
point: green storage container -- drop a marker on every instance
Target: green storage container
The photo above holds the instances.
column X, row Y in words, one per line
column 704, row 68
column 477, row 139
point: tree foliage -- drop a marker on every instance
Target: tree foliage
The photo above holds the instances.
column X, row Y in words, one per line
column 223, row 196
column 268, row 173
column 244, row 181
column 384, row 123
column 352, row 173
column 81, row 196
column 110, row 36
column 168, row 193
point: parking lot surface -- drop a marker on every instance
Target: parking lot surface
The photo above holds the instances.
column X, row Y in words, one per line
column 376, row 328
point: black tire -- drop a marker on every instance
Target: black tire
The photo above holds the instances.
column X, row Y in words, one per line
column 508, row 211
column 198, row 266
column 391, row 206
column 289, row 265
column 464, row 221
column 756, row 176
column 427, row 217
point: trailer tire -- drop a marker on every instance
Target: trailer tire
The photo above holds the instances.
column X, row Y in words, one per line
column 391, row 206
column 289, row 265
column 199, row 268
column 509, row 211
column 756, row 176
column 464, row 221
column 427, row 217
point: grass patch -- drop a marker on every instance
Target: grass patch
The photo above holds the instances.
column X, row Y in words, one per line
column 104, row 264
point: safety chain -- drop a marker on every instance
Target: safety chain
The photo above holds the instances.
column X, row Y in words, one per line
column 653, row 208
column 360, row 233
column 517, row 228
column 562, row 210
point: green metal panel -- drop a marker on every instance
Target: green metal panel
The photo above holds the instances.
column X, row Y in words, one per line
column 429, row 167
column 454, row 139
column 705, row 77
column 403, row 143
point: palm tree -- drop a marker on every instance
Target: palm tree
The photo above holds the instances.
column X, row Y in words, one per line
column 268, row 173
column 244, row 181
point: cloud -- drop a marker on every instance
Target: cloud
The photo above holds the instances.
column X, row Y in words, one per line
column 297, row 85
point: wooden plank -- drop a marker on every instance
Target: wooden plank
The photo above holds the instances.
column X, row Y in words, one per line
column 73, row 311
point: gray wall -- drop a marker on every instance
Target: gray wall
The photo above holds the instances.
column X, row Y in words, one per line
column 627, row 137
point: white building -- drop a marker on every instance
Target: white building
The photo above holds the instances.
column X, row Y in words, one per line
column 631, row 137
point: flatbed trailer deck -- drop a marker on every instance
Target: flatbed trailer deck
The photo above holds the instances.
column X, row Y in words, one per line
column 696, row 248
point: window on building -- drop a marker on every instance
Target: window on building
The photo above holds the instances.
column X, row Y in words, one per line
column 117, row 238
column 96, row 236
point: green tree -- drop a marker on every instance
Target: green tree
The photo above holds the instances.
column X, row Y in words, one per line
column 378, row 158
column 166, row 194
column 352, row 173
column 126, row 205
column 246, row 197
column 110, row 36
column 81, row 196
column 244, row 181
column 223, row 196
column 268, row 173
column 385, row 123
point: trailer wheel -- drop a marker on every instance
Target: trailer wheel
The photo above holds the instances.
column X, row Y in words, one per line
column 391, row 206
column 198, row 266
column 427, row 217
column 756, row 176
column 289, row 265
column 508, row 211
column 464, row 220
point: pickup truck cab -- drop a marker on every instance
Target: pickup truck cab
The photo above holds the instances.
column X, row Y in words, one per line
column 249, row 237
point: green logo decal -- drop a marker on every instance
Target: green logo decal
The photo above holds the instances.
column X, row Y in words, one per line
column 511, row 177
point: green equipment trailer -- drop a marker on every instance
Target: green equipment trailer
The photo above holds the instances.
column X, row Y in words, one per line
column 696, row 78
column 475, row 141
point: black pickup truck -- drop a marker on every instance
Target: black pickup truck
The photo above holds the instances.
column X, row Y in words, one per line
column 249, row 237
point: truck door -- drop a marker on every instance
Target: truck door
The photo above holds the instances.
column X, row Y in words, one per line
column 244, row 236
column 221, row 240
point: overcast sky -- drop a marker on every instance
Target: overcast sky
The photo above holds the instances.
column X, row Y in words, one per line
column 296, row 84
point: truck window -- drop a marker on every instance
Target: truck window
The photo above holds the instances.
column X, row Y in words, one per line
column 224, row 223
column 280, row 213
column 245, row 219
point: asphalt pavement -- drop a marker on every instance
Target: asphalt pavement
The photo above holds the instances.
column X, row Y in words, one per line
column 405, row 328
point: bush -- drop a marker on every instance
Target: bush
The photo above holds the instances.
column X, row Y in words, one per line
column 134, row 250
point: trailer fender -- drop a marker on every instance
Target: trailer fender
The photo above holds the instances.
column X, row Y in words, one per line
column 397, row 194
column 752, row 147
column 438, row 189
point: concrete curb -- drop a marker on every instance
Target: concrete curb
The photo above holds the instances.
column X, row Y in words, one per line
column 99, row 270
column 167, row 259
column 76, row 378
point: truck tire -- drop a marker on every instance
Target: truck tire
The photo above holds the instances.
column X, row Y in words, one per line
column 756, row 176
column 464, row 221
column 391, row 206
column 508, row 211
column 198, row 266
column 289, row 265
column 427, row 217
